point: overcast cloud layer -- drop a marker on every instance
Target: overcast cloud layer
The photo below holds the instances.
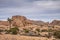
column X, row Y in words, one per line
column 45, row 10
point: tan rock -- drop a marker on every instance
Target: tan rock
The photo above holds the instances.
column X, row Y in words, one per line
column 18, row 21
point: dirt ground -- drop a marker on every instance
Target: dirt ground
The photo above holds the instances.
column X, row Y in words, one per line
column 19, row 37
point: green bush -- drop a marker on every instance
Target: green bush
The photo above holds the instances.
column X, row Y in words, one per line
column 57, row 34
column 26, row 30
column 12, row 31
column 7, row 31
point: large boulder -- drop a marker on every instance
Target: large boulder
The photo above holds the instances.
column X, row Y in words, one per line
column 18, row 21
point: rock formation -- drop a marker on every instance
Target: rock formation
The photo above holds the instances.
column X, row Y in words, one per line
column 21, row 21
column 55, row 22
column 18, row 21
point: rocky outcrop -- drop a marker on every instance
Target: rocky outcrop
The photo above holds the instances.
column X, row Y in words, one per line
column 18, row 21
column 22, row 21
column 55, row 22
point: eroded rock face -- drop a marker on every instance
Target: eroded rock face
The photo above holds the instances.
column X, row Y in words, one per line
column 18, row 21
column 55, row 22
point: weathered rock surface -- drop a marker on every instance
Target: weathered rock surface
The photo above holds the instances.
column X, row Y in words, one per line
column 19, row 21
column 55, row 22
column 22, row 21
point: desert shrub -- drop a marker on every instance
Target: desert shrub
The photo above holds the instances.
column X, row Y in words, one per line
column 44, row 30
column 1, row 31
column 50, row 30
column 7, row 31
column 57, row 34
column 38, row 29
column 26, row 30
column 12, row 31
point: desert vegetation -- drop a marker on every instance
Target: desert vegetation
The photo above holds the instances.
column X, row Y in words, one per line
column 14, row 30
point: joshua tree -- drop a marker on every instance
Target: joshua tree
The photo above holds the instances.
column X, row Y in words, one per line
column 10, row 21
column 49, row 31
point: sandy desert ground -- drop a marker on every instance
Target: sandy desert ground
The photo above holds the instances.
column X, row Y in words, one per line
column 19, row 37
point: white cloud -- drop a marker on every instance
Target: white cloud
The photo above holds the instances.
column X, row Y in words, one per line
column 47, row 4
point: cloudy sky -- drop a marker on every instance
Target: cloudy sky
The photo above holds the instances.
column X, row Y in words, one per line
column 45, row 10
